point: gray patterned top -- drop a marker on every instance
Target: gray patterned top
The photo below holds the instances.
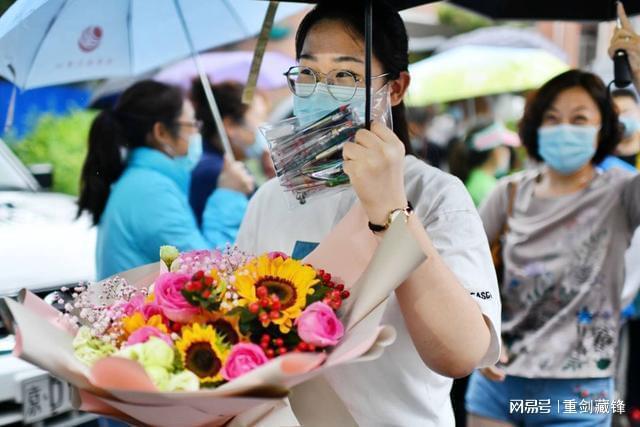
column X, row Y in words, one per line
column 564, row 272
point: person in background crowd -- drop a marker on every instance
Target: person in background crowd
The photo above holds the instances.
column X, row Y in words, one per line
column 628, row 106
column 485, row 155
column 240, row 123
column 627, row 39
column 563, row 245
column 624, row 101
column 419, row 119
column 136, row 175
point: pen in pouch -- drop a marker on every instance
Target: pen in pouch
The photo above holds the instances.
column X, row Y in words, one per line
column 339, row 180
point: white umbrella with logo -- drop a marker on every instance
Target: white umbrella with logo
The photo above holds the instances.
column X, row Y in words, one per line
column 48, row 42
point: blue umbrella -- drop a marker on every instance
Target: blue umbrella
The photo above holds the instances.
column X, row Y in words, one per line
column 47, row 42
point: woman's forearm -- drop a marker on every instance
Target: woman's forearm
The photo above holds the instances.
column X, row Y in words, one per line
column 445, row 323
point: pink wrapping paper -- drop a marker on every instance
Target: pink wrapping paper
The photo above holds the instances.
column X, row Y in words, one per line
column 122, row 389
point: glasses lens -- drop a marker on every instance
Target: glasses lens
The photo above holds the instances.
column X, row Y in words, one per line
column 341, row 84
column 302, row 81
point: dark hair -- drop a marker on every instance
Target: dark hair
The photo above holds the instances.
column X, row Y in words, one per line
column 610, row 132
column 619, row 93
column 390, row 42
column 463, row 158
column 125, row 127
column 228, row 96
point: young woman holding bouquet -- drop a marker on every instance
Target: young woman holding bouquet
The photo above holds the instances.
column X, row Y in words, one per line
column 563, row 253
column 135, row 181
column 447, row 321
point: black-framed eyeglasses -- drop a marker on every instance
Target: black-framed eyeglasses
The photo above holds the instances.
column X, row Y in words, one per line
column 341, row 84
column 196, row 124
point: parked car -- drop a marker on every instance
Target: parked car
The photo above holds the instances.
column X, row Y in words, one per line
column 42, row 248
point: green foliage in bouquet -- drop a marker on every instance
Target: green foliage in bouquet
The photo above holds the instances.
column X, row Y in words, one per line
column 61, row 141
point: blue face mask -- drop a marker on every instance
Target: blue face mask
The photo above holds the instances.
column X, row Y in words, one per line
column 631, row 125
column 194, row 153
column 566, row 148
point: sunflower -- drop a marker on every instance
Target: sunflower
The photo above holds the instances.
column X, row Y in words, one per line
column 227, row 328
column 203, row 352
column 289, row 280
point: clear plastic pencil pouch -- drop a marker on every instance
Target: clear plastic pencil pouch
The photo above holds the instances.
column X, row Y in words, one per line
column 307, row 152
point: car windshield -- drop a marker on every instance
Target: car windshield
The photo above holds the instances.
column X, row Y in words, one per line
column 11, row 177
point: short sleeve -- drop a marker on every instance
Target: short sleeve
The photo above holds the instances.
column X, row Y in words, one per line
column 247, row 235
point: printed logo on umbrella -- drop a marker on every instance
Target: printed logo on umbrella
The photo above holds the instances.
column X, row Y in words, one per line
column 90, row 39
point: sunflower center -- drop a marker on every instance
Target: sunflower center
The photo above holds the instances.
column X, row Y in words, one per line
column 202, row 360
column 225, row 329
column 284, row 289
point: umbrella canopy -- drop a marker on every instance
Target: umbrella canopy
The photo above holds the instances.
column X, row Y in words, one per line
column 223, row 66
column 471, row 71
column 46, row 42
column 506, row 37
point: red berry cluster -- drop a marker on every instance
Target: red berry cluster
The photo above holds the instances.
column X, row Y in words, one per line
column 334, row 297
column 200, row 284
column 272, row 346
column 267, row 307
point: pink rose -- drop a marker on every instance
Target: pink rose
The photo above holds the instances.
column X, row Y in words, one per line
column 151, row 309
column 168, row 292
column 143, row 334
column 318, row 325
column 244, row 357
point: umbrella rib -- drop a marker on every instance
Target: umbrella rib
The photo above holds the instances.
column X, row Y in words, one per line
column 44, row 37
column 130, row 36
column 235, row 16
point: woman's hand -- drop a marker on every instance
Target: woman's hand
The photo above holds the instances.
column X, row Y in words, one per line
column 626, row 39
column 374, row 163
column 234, row 176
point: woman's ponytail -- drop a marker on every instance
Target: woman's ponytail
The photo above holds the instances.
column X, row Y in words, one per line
column 103, row 165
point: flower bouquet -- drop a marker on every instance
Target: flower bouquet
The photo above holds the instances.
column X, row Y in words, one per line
column 202, row 337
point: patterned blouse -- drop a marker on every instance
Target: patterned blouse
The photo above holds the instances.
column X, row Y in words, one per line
column 563, row 273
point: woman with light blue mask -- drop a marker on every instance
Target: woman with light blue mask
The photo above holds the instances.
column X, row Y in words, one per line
column 447, row 318
column 564, row 229
column 136, row 177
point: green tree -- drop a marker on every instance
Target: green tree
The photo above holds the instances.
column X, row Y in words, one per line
column 61, row 141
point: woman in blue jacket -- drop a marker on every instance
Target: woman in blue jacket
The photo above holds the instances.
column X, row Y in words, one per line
column 136, row 177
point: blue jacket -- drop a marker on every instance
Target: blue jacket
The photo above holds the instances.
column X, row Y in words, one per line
column 148, row 207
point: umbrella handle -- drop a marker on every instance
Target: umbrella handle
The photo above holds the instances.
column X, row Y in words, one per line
column 368, row 42
column 258, row 55
column 217, row 117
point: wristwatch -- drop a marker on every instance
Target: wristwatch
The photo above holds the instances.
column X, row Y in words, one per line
column 376, row 228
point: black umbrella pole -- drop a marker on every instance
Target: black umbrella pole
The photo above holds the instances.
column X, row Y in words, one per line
column 368, row 41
